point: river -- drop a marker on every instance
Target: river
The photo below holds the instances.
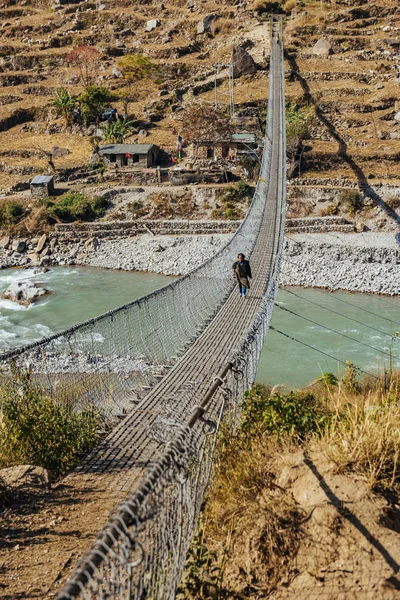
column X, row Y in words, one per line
column 79, row 293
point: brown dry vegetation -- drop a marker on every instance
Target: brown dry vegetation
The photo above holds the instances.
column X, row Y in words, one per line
column 305, row 498
column 353, row 92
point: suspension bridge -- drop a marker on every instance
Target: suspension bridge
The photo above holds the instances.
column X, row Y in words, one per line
column 174, row 364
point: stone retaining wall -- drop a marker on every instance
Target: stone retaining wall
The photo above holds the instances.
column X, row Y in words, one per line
column 116, row 229
column 156, row 227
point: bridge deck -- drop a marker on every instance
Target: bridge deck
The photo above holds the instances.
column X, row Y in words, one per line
column 113, row 469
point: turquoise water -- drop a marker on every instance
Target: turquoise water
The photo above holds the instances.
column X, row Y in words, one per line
column 77, row 294
column 80, row 293
column 372, row 321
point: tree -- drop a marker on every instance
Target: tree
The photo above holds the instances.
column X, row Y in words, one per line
column 299, row 117
column 87, row 59
column 202, row 122
column 118, row 130
column 93, row 101
column 64, row 104
column 134, row 68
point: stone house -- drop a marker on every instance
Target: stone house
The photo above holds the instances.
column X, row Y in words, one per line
column 239, row 143
column 140, row 156
column 42, row 186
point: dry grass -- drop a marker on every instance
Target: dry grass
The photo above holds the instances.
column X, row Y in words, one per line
column 364, row 435
column 252, row 527
column 252, row 521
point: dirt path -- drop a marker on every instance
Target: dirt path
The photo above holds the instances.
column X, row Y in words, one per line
column 351, row 538
column 40, row 541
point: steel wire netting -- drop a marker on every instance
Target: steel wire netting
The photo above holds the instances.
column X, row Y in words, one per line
column 140, row 553
column 114, row 358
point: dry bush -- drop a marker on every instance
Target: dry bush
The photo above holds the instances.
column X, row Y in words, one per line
column 393, row 202
column 222, row 26
column 289, row 5
column 329, row 210
column 298, row 208
column 352, row 200
column 164, row 206
column 265, row 6
column 39, row 220
column 253, row 524
column 364, row 435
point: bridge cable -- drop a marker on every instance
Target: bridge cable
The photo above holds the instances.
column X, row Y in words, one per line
column 337, row 332
column 350, row 303
column 320, row 351
column 334, row 311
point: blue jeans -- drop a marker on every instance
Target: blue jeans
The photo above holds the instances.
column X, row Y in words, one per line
column 242, row 289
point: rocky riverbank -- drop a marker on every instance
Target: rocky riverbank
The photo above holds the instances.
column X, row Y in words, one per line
column 170, row 255
column 359, row 262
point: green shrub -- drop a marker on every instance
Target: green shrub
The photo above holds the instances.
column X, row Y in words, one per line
column 352, row 199
column 99, row 205
column 11, row 212
column 75, row 206
column 36, row 429
column 298, row 414
column 238, row 192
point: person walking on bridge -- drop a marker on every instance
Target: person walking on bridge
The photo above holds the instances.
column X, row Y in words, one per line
column 242, row 272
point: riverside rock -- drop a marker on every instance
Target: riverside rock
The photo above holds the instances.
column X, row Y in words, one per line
column 24, row 292
column 5, row 242
column 41, row 243
column 18, row 245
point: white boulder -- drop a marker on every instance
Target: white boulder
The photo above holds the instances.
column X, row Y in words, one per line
column 24, row 292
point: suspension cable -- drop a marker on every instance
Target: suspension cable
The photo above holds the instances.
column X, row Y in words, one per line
column 337, row 332
column 347, row 302
column 318, row 350
column 334, row 311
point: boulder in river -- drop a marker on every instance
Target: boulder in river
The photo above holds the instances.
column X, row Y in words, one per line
column 24, row 292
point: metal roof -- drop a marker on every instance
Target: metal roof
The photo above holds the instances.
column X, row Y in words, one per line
column 244, row 137
column 126, row 149
column 42, row 179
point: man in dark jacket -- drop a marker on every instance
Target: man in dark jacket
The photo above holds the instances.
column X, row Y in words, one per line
column 242, row 272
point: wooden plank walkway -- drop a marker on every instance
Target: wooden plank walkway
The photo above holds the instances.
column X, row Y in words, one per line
column 129, row 449
column 112, row 471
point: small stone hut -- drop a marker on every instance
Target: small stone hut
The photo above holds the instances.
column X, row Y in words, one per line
column 141, row 156
column 42, row 186
column 239, row 143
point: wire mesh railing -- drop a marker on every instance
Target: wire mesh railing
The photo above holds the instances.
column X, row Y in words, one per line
column 141, row 551
column 113, row 359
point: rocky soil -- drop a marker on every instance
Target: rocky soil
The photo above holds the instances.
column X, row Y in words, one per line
column 367, row 262
column 348, row 538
